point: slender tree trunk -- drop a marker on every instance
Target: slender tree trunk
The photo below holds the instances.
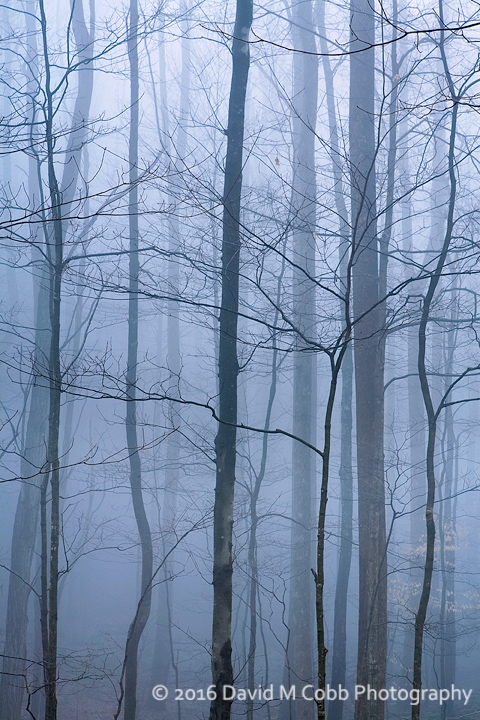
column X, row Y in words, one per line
column 53, row 461
column 84, row 42
column 50, row 525
column 254, row 588
column 50, row 545
column 301, row 592
column 339, row 650
column 447, row 558
column 446, row 523
column 369, row 365
column 163, row 656
column 339, row 645
column 319, row 575
column 225, row 441
column 60, row 203
column 144, row 603
column 417, row 452
column 416, row 408
column 431, row 412
column 391, row 103
column 78, row 135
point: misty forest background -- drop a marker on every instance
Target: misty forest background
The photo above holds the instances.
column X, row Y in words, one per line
column 239, row 345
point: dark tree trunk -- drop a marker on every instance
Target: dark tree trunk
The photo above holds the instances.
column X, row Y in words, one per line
column 225, row 441
column 50, row 544
column 335, row 366
column 416, row 436
column 417, row 451
column 50, row 525
column 144, row 603
column 432, row 412
column 339, row 650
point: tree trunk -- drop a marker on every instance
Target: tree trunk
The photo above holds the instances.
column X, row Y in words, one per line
column 255, row 492
column 447, row 552
column 163, row 655
column 339, row 650
column 339, row 644
column 225, row 441
column 78, row 135
column 417, row 452
column 369, row 365
column 144, row 603
column 301, row 592
column 432, row 412
column 51, row 541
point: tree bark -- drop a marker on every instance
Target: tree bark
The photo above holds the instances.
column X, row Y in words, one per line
column 144, row 603
column 339, row 644
column 255, row 492
column 299, row 660
column 369, row 365
column 163, row 654
column 339, row 649
column 50, row 544
column 225, row 441
column 432, row 412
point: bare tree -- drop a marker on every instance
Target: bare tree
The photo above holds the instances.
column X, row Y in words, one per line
column 33, row 455
column 143, row 612
column 432, row 411
column 225, row 441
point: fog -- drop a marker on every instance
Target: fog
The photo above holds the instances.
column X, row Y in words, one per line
column 239, row 360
